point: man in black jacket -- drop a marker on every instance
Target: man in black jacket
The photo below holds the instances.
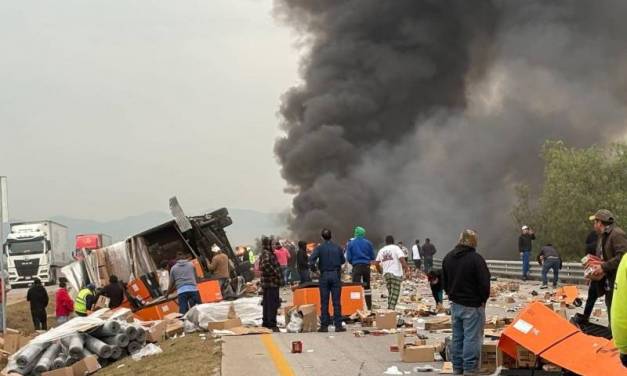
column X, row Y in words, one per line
column 593, row 288
column 114, row 291
column 302, row 259
column 38, row 299
column 466, row 280
column 428, row 250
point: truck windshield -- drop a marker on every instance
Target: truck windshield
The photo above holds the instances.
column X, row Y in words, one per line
column 26, row 248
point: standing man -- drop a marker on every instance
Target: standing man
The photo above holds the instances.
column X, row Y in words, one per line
column 283, row 256
column 416, row 250
column 38, row 299
column 183, row 280
column 593, row 288
column 360, row 254
column 549, row 258
column 525, row 244
column 428, row 250
column 611, row 246
column 219, row 266
column 404, row 249
column 330, row 258
column 391, row 263
column 302, row 260
column 114, row 291
column 163, row 275
column 271, row 278
column 85, row 299
column 466, row 280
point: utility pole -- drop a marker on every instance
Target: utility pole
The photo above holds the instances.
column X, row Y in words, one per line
column 4, row 219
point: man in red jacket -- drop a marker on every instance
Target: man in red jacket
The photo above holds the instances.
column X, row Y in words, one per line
column 64, row 304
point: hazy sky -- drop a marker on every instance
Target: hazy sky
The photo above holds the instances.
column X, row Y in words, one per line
column 109, row 107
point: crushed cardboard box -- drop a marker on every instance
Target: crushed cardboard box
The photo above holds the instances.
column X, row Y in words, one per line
column 438, row 323
column 85, row 366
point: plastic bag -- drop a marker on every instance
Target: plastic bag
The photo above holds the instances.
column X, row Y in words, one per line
column 148, row 350
column 296, row 323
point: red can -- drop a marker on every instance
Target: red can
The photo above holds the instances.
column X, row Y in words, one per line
column 297, row 347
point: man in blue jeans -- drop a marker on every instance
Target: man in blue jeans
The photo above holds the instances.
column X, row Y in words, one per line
column 183, row 279
column 466, row 280
column 549, row 259
column 525, row 244
column 330, row 258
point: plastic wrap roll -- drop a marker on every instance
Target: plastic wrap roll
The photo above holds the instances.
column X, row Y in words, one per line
column 47, row 358
column 120, row 340
column 116, row 353
column 28, row 355
column 74, row 345
column 134, row 346
column 98, row 347
column 108, row 329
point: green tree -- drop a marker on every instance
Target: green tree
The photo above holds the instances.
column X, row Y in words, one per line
column 577, row 182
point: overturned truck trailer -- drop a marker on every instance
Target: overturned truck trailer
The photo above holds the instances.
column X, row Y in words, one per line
column 135, row 262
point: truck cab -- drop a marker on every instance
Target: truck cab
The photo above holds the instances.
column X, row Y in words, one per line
column 36, row 250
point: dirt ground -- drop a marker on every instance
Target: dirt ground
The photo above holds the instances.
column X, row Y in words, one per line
column 19, row 317
column 192, row 355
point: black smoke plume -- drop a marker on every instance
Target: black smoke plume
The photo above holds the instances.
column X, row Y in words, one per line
column 417, row 118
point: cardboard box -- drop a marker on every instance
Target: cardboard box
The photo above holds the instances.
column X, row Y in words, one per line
column 14, row 340
column 102, row 302
column 525, row 358
column 310, row 317
column 65, row 371
column 447, row 368
column 438, row 323
column 415, row 351
column 488, row 356
column 156, row 331
column 86, row 366
column 385, row 319
column 174, row 328
column 223, row 325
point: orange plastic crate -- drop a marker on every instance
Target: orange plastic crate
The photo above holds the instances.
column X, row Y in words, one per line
column 210, row 291
column 352, row 298
column 157, row 311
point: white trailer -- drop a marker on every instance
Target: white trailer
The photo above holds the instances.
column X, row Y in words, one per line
column 36, row 250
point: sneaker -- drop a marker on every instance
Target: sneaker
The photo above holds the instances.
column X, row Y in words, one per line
column 340, row 329
column 323, row 329
column 544, row 287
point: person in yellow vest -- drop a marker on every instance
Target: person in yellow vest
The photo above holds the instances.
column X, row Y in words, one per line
column 619, row 311
column 85, row 300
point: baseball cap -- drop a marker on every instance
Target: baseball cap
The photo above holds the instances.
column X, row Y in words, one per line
column 603, row 215
column 525, row 227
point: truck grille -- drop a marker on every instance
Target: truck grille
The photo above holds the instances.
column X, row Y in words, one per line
column 27, row 268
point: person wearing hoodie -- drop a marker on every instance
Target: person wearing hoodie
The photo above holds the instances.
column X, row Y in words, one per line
column 302, row 262
column 466, row 280
column 360, row 254
column 183, row 280
column 38, row 299
column 64, row 306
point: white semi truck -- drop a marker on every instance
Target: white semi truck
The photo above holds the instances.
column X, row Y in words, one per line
column 36, row 249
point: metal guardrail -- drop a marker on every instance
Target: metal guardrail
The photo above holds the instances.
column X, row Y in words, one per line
column 571, row 272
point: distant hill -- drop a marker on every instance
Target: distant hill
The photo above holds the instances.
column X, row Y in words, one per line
column 247, row 225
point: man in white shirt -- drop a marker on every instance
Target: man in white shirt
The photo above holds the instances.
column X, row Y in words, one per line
column 415, row 253
column 391, row 263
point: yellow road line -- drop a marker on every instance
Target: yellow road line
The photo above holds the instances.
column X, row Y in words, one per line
column 280, row 363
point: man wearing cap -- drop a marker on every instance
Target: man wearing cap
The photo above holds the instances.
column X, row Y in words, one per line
column 85, row 300
column 525, row 244
column 611, row 246
column 466, row 280
column 360, row 254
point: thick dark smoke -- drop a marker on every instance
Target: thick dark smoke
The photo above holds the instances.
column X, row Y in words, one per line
column 417, row 118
